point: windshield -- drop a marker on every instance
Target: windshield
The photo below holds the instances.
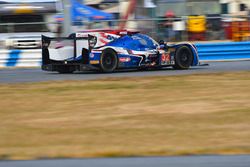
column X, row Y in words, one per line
column 145, row 41
column 22, row 23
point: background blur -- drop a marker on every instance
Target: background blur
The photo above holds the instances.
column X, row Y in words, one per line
column 22, row 22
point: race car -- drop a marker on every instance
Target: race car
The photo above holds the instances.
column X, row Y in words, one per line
column 110, row 50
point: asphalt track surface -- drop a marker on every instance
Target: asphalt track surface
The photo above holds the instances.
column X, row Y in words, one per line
column 181, row 161
column 17, row 75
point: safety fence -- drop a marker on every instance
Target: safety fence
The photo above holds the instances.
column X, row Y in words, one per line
column 192, row 28
column 208, row 52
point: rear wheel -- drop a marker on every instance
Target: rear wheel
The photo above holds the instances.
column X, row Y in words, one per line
column 183, row 58
column 109, row 60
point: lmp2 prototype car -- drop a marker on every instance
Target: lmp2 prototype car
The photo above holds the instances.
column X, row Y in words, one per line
column 109, row 50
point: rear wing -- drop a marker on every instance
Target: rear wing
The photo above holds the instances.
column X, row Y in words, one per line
column 46, row 41
column 73, row 47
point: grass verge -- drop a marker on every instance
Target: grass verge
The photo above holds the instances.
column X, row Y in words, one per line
column 173, row 115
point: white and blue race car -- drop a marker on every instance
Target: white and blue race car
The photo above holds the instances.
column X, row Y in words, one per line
column 109, row 50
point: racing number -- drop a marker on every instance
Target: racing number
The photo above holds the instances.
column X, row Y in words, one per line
column 165, row 57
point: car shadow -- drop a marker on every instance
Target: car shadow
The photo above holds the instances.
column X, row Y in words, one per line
column 120, row 71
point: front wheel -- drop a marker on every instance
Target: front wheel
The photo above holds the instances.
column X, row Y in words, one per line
column 108, row 60
column 183, row 58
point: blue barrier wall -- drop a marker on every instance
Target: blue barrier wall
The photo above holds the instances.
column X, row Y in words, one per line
column 20, row 58
column 224, row 51
column 14, row 56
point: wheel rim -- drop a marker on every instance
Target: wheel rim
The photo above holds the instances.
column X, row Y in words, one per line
column 108, row 61
column 185, row 58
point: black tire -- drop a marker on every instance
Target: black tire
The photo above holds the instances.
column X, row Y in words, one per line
column 183, row 58
column 108, row 60
column 65, row 70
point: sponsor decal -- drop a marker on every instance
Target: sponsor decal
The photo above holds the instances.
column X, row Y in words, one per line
column 92, row 55
column 165, row 57
column 81, row 35
column 94, row 61
column 125, row 59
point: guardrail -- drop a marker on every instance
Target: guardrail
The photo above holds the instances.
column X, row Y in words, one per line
column 20, row 58
column 208, row 52
column 224, row 51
